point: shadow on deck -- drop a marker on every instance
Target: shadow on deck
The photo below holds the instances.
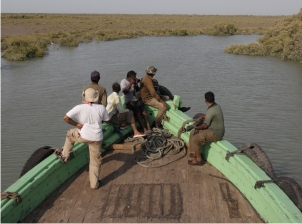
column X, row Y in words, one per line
column 129, row 192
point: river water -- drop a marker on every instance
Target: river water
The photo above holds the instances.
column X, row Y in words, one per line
column 261, row 97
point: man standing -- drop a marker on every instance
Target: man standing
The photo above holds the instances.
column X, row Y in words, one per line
column 95, row 77
column 129, row 87
column 118, row 115
column 150, row 96
column 87, row 118
column 211, row 130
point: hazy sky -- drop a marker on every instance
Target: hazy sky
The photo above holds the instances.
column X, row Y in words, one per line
column 201, row 7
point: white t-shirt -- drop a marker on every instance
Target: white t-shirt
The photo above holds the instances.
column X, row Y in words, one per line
column 91, row 116
column 131, row 95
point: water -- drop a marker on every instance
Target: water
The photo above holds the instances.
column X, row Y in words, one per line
column 260, row 96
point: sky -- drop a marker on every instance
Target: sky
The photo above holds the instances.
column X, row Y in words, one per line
column 199, row 7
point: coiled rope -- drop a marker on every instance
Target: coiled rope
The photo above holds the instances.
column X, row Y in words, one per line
column 156, row 146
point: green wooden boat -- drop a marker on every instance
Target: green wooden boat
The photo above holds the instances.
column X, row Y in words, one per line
column 271, row 203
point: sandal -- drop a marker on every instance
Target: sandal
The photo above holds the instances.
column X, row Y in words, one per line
column 139, row 135
column 59, row 154
column 62, row 158
column 192, row 155
column 194, row 162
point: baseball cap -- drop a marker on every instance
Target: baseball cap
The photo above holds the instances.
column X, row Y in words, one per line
column 95, row 74
column 151, row 70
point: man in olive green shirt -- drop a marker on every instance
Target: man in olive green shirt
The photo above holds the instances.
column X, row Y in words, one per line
column 150, row 97
column 95, row 77
column 211, row 130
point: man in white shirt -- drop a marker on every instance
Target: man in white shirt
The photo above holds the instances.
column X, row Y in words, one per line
column 87, row 118
column 118, row 115
column 129, row 87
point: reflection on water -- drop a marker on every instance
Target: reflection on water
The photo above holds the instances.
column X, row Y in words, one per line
column 260, row 96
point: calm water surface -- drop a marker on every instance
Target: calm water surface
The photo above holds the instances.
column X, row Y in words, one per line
column 260, row 96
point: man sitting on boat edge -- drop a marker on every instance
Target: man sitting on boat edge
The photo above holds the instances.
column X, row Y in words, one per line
column 129, row 87
column 211, row 130
column 150, row 96
column 87, row 118
column 118, row 115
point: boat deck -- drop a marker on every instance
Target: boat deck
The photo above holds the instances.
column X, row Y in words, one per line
column 130, row 193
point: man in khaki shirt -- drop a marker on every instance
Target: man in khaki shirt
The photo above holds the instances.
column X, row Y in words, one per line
column 95, row 77
column 212, row 129
column 150, row 96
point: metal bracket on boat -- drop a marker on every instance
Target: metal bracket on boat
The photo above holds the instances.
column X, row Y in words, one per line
column 229, row 154
column 260, row 183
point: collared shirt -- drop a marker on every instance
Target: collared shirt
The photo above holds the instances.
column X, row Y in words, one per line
column 114, row 105
column 147, row 91
column 131, row 95
column 214, row 119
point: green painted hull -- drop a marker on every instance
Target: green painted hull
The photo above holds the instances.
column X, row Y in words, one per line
column 272, row 204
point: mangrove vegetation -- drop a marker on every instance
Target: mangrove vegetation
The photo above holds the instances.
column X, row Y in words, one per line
column 26, row 36
column 283, row 40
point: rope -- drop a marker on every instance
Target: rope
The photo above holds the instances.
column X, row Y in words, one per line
column 165, row 117
column 135, row 141
column 157, row 145
column 181, row 129
column 11, row 195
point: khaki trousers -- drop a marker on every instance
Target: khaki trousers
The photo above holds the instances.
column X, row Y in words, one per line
column 161, row 109
column 73, row 136
column 201, row 138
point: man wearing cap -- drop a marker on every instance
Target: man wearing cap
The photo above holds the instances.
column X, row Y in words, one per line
column 212, row 129
column 87, row 118
column 95, row 77
column 150, row 96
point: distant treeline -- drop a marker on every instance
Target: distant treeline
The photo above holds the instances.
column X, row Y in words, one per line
column 284, row 40
column 26, row 36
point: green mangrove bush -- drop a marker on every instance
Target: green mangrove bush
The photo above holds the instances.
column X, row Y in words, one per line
column 27, row 35
column 224, row 29
column 284, row 40
column 20, row 49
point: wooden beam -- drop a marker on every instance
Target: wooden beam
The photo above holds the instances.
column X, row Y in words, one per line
column 123, row 147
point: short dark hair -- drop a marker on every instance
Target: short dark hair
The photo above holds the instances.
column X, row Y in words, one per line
column 209, row 96
column 131, row 74
column 116, row 87
column 95, row 80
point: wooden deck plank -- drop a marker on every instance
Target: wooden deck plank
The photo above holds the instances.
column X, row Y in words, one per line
column 247, row 211
column 130, row 193
column 209, row 209
column 59, row 205
column 99, row 203
column 186, row 201
column 80, row 208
